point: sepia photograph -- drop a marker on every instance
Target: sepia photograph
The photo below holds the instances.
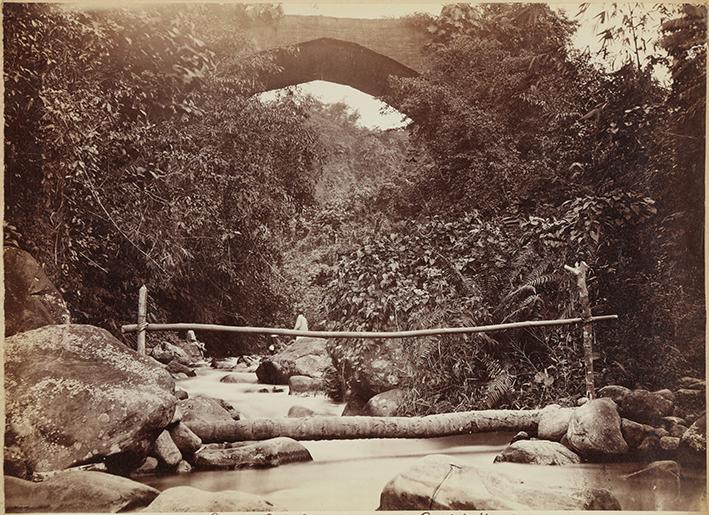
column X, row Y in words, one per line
column 336, row 257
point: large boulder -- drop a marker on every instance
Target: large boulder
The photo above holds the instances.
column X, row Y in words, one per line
column 75, row 394
column 669, row 443
column 634, row 432
column 166, row 451
column 172, row 348
column 304, row 385
column 185, row 439
column 615, row 392
column 77, row 492
column 594, row 429
column 268, row 453
column 676, row 426
column 239, row 378
column 644, row 406
column 384, row 404
column 202, row 415
column 181, row 499
column 175, row 367
column 303, row 357
column 693, row 444
column 439, row 482
column 538, row 452
column 382, row 367
column 31, row 300
column 224, row 364
column 554, row 422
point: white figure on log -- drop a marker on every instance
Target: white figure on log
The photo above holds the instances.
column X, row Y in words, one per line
column 301, row 324
column 192, row 338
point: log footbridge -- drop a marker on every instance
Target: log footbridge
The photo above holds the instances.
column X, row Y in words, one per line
column 350, row 428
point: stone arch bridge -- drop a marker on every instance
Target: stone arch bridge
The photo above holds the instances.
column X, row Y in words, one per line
column 361, row 53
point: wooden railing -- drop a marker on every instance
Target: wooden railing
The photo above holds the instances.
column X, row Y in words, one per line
column 579, row 272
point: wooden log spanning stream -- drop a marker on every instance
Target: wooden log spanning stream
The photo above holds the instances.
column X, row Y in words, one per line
column 351, row 428
column 129, row 328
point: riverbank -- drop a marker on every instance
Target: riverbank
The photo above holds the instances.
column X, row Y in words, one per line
column 351, row 474
column 163, row 427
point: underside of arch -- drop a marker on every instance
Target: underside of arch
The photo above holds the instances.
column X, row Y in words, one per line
column 336, row 61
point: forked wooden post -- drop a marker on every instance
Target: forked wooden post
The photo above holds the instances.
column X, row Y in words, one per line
column 142, row 318
column 580, row 271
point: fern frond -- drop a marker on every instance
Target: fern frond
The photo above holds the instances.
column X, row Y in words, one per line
column 487, row 341
column 543, row 280
column 499, row 388
column 526, row 303
column 537, row 271
column 493, row 367
column 522, row 261
column 521, row 292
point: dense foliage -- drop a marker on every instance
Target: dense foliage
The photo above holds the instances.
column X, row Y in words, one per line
column 135, row 155
column 362, row 175
column 528, row 157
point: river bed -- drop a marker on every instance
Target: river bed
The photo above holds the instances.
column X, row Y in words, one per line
column 350, row 474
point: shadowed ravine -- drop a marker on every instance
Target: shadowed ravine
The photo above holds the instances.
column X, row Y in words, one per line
column 350, row 474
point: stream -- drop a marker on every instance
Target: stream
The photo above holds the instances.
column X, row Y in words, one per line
column 350, row 474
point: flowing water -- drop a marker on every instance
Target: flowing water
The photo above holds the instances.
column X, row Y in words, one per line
column 350, row 474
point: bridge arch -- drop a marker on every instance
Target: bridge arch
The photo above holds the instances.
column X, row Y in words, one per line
column 332, row 60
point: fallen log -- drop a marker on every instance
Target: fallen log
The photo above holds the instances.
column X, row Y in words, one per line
column 350, row 428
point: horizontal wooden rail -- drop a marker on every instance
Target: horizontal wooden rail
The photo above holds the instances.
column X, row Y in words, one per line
column 130, row 328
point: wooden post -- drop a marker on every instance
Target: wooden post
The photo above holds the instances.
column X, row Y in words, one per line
column 580, row 271
column 142, row 317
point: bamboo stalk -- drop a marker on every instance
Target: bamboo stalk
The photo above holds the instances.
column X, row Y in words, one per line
column 351, row 428
column 363, row 334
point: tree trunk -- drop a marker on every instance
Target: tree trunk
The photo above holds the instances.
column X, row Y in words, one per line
column 350, row 428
